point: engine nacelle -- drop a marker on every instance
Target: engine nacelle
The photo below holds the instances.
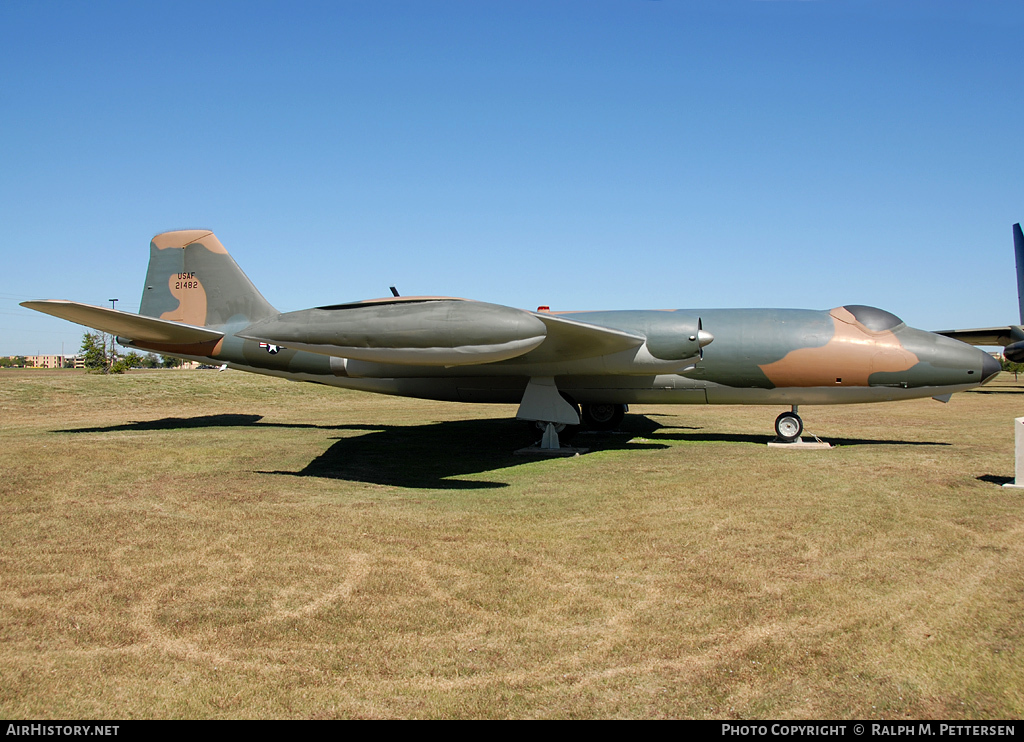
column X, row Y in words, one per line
column 1015, row 352
column 409, row 330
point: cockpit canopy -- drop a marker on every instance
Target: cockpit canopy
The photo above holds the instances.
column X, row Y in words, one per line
column 873, row 318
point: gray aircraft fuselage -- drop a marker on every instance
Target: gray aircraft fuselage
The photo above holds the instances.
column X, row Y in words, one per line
column 758, row 356
column 198, row 305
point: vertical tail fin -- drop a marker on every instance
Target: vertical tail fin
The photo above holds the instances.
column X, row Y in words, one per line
column 192, row 279
column 1018, row 249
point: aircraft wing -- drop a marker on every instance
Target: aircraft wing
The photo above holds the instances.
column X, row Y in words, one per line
column 571, row 340
column 125, row 324
column 981, row 335
column 437, row 331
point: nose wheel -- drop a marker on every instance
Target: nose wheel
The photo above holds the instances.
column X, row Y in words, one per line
column 789, row 426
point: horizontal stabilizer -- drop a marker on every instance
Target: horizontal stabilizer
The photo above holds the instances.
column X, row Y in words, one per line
column 124, row 324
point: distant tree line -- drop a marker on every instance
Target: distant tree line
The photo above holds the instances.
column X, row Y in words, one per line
column 1014, row 368
column 99, row 357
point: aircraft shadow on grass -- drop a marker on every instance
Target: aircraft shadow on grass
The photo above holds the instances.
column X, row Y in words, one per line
column 203, row 421
column 433, row 455
column 413, row 456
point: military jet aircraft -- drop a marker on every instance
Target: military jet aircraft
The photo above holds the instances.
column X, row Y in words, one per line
column 1011, row 337
column 560, row 367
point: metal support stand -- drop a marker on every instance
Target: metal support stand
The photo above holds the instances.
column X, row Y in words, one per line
column 550, row 439
column 549, row 446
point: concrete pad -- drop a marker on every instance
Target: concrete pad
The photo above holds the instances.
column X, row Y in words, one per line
column 801, row 444
column 563, row 452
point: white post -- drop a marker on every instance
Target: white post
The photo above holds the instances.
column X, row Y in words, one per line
column 1018, row 470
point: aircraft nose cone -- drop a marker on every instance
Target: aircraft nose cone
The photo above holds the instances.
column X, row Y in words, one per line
column 989, row 368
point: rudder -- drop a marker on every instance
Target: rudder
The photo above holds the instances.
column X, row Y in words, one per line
column 1018, row 250
column 192, row 279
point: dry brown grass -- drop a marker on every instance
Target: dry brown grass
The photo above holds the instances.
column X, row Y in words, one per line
column 202, row 544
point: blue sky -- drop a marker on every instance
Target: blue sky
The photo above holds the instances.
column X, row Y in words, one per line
column 586, row 155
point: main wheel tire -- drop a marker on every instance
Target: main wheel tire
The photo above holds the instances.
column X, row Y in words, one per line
column 789, row 426
column 603, row 416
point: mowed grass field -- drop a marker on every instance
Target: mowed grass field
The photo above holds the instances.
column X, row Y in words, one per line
column 204, row 544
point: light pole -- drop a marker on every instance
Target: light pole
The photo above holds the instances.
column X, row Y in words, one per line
column 110, row 363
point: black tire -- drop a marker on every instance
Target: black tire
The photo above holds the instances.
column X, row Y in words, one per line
column 788, row 426
column 603, row 416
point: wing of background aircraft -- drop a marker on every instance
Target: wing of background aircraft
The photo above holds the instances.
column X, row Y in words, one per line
column 1011, row 337
column 984, row 335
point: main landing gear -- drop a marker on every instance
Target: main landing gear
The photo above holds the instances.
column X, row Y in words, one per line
column 603, row 416
column 555, row 413
column 789, row 426
column 598, row 417
column 549, row 410
column 564, row 431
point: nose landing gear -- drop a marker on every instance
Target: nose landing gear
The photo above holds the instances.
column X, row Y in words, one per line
column 789, row 426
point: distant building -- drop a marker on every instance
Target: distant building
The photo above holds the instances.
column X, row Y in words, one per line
column 74, row 361
column 53, row 361
column 44, row 361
